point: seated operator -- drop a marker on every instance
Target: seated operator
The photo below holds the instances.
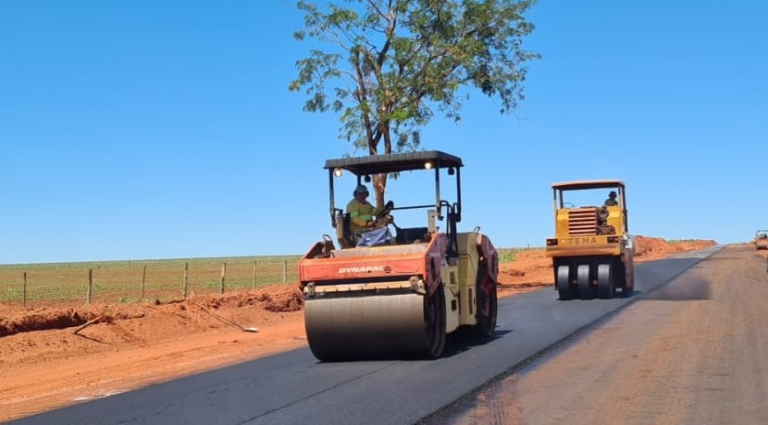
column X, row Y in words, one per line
column 611, row 201
column 362, row 214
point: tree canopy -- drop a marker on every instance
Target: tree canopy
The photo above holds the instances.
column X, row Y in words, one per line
column 390, row 65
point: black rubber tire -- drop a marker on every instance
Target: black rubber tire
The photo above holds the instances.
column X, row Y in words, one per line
column 564, row 289
column 606, row 281
column 629, row 281
column 486, row 323
column 435, row 322
column 586, row 290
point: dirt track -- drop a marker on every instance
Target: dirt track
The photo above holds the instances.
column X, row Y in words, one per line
column 692, row 352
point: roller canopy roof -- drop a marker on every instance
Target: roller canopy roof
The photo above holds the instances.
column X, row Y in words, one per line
column 392, row 163
column 588, row 184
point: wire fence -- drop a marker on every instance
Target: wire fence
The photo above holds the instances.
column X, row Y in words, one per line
column 72, row 284
column 139, row 281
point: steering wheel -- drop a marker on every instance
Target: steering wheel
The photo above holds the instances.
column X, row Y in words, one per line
column 383, row 218
column 388, row 207
column 568, row 205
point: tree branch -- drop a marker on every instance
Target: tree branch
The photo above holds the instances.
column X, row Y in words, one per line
column 363, row 94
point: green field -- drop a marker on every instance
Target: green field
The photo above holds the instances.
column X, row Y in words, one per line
column 139, row 280
column 149, row 280
column 507, row 255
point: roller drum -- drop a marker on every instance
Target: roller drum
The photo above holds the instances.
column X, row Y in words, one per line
column 365, row 325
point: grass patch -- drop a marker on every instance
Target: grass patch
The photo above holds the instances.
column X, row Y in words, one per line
column 126, row 281
column 508, row 255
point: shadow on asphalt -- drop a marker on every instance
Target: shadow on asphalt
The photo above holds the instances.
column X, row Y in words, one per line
column 684, row 288
column 463, row 340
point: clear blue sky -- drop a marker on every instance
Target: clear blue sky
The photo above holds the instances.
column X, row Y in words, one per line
column 146, row 129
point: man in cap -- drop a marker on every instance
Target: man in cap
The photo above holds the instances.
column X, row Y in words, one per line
column 362, row 214
column 611, row 201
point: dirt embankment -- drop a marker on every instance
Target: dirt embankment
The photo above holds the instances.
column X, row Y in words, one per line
column 48, row 356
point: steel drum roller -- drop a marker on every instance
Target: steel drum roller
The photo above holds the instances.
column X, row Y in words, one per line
column 347, row 325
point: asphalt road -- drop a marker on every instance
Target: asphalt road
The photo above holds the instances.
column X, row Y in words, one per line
column 691, row 352
column 293, row 388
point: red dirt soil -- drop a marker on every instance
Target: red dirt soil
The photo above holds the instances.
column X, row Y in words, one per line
column 51, row 357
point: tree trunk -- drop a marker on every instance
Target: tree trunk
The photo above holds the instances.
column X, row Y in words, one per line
column 380, row 188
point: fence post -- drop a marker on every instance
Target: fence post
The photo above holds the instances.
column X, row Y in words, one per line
column 254, row 273
column 223, row 275
column 90, row 286
column 143, row 282
column 24, row 292
column 285, row 271
column 186, row 279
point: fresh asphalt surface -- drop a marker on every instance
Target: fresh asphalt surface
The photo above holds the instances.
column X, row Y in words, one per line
column 294, row 388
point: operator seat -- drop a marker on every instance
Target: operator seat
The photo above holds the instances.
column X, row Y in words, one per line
column 343, row 233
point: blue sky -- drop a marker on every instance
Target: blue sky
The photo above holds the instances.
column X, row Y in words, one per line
column 144, row 129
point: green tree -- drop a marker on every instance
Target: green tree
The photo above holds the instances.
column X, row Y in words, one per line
column 393, row 63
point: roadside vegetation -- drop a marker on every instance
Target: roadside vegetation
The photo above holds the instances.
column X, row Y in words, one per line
column 140, row 280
